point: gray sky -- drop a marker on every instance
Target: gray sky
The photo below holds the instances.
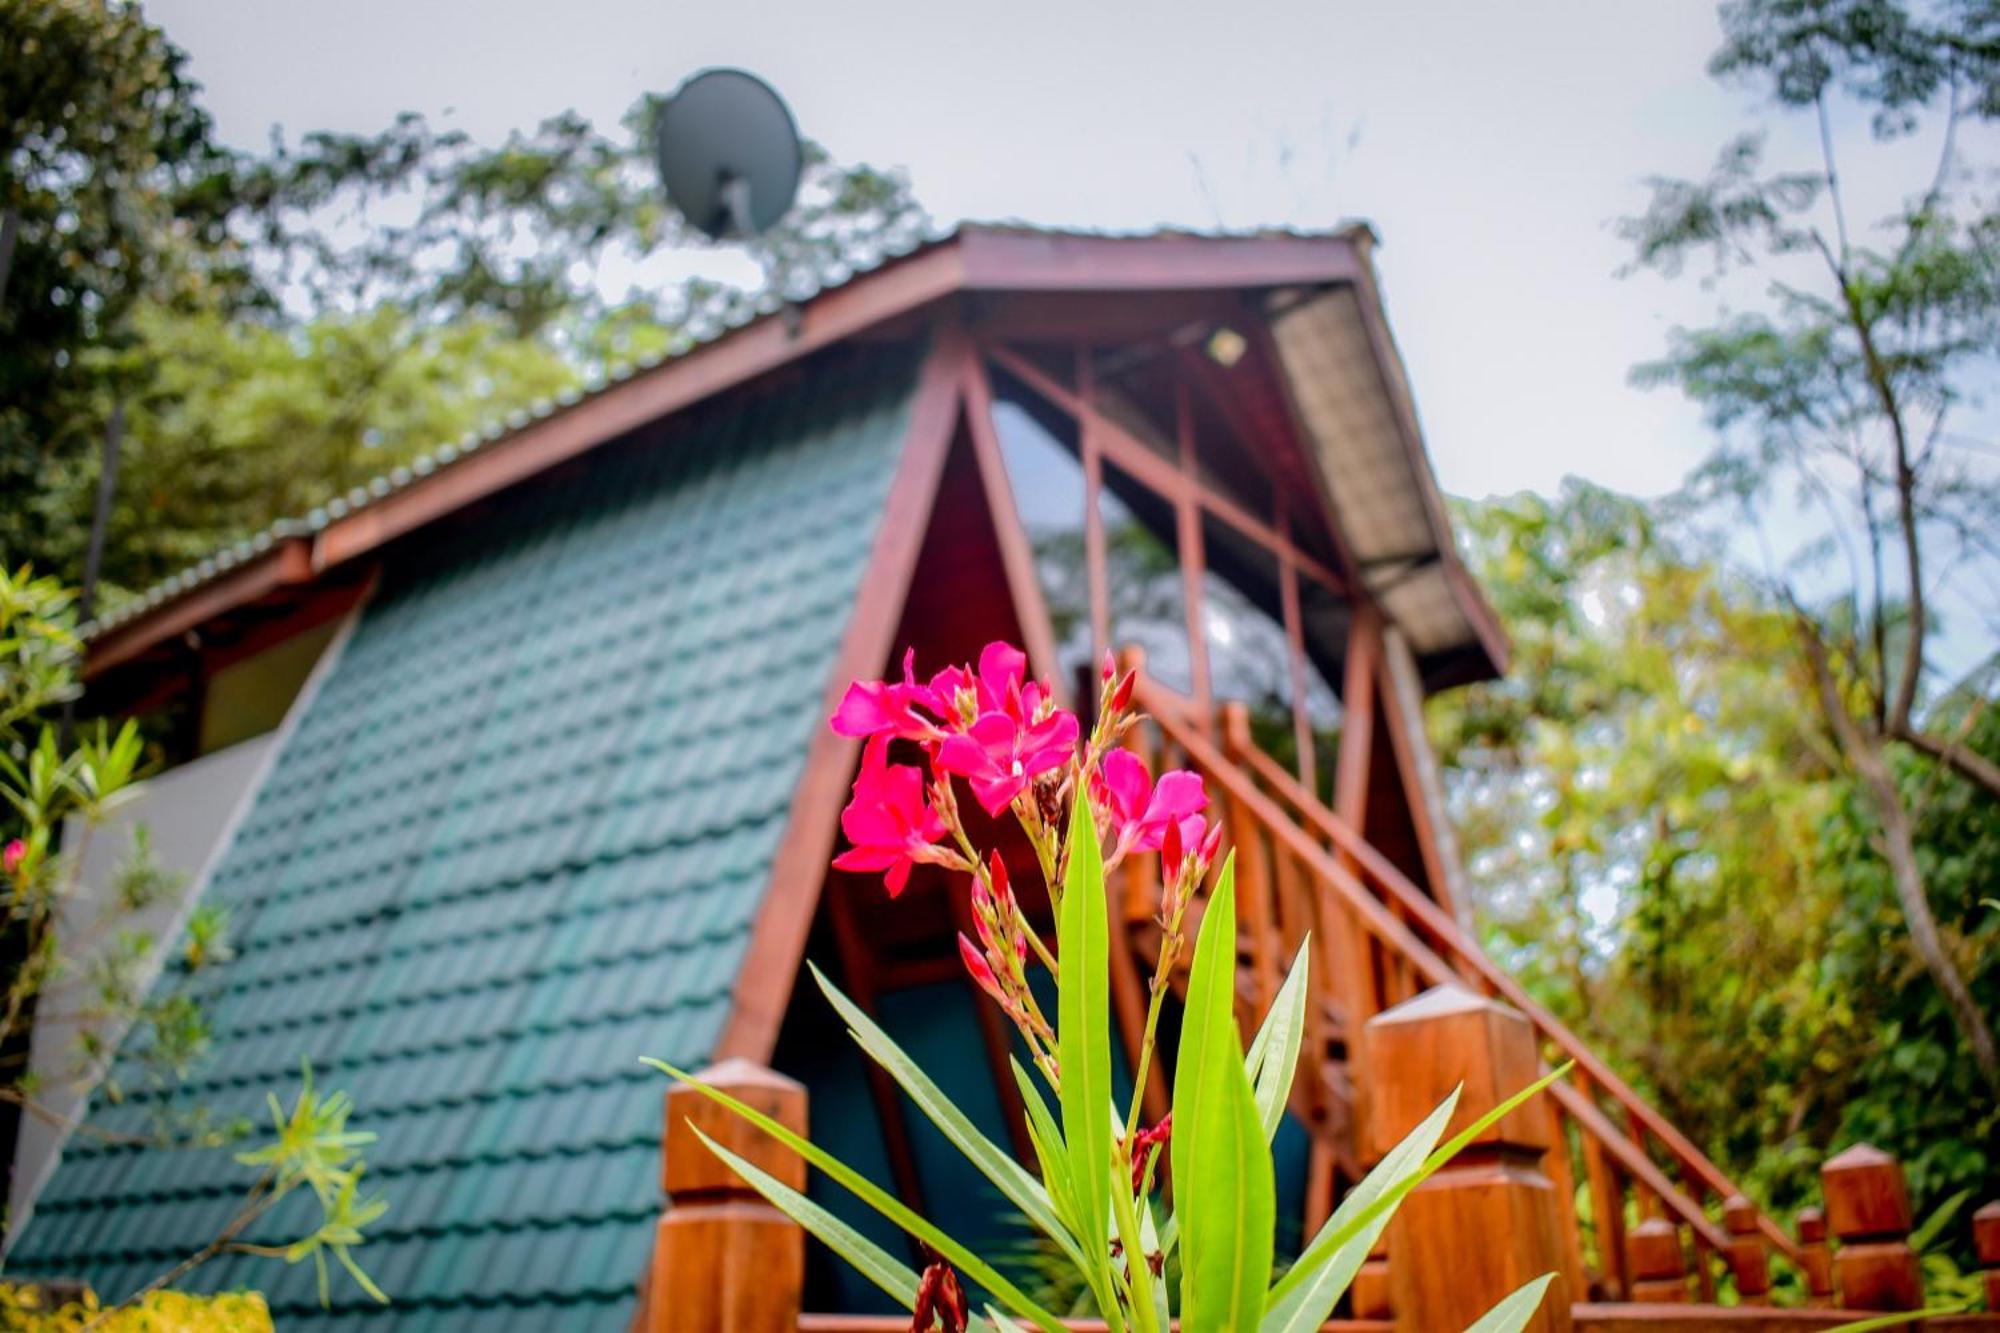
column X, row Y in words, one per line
column 1488, row 143
column 1491, row 144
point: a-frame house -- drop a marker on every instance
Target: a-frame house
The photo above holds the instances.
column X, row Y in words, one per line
column 542, row 781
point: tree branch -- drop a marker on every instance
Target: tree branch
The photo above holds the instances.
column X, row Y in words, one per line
column 1968, row 764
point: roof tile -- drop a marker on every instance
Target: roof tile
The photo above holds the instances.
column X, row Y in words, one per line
column 515, row 841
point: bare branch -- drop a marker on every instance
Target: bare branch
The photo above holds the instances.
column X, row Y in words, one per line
column 1953, row 754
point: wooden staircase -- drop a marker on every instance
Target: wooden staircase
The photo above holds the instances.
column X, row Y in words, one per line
column 1378, row 940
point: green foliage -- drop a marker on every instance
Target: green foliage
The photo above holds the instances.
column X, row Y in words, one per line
column 312, row 1148
column 30, row 1309
column 1667, row 850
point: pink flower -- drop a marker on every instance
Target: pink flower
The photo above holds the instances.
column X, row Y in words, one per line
column 10, row 860
column 879, row 707
column 1016, row 733
column 999, row 755
column 1141, row 812
column 888, row 820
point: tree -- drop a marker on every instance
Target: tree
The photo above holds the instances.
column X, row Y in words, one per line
column 1667, row 847
column 1841, row 398
column 107, row 194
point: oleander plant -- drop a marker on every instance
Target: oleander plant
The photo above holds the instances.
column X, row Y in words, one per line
column 1173, row 1220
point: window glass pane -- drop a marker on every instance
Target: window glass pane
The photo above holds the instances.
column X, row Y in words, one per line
column 1143, row 578
column 1249, row 653
column 1047, row 477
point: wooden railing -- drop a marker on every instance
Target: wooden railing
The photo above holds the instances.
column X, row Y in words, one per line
column 1379, row 940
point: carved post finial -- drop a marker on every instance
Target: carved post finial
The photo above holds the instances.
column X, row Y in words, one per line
column 1417, row 1052
column 1748, row 1263
column 722, row 1257
column 1868, row 1208
column 1657, row 1262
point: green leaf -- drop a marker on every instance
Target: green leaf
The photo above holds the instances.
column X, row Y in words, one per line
column 1331, row 1238
column 875, row 1197
column 1223, row 1185
column 1273, row 1060
column 1083, row 1034
column 1053, row 1155
column 1008, row 1176
column 868, row 1259
column 1328, row 1264
column 1513, row 1312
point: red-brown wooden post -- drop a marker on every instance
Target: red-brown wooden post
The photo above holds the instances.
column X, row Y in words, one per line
column 1370, row 1296
column 1815, row 1258
column 1658, row 1265
column 1868, row 1208
column 1495, row 1190
column 724, row 1258
column 1748, row 1263
column 1986, row 1242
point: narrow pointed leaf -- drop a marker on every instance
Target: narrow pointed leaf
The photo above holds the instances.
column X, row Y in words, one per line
column 1225, row 1193
column 877, row 1198
column 1329, row 1263
column 1008, row 1176
column 1331, row 1238
column 1083, row 1033
column 1273, row 1060
column 1513, row 1312
column 894, row 1277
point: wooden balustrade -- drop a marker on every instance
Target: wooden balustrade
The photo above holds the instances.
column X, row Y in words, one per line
column 1815, row 1257
column 1504, row 1212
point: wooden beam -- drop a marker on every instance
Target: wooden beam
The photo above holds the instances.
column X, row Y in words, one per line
column 1090, row 442
column 1027, row 259
column 1017, row 553
column 1423, row 788
column 799, row 865
column 287, row 564
column 1193, row 559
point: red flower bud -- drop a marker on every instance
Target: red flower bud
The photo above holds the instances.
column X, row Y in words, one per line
column 940, row 1301
column 1003, row 892
column 1121, row 698
column 981, row 970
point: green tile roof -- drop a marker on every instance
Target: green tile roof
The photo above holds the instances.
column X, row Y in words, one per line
column 516, row 841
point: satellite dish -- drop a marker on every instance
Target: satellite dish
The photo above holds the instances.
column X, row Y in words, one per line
column 729, row 154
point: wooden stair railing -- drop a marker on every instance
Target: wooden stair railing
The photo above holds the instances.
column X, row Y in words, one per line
column 1379, row 940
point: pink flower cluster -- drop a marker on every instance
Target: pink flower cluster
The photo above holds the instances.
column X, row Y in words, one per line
column 1016, row 750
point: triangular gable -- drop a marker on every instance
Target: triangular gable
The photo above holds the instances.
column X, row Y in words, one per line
column 520, row 837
